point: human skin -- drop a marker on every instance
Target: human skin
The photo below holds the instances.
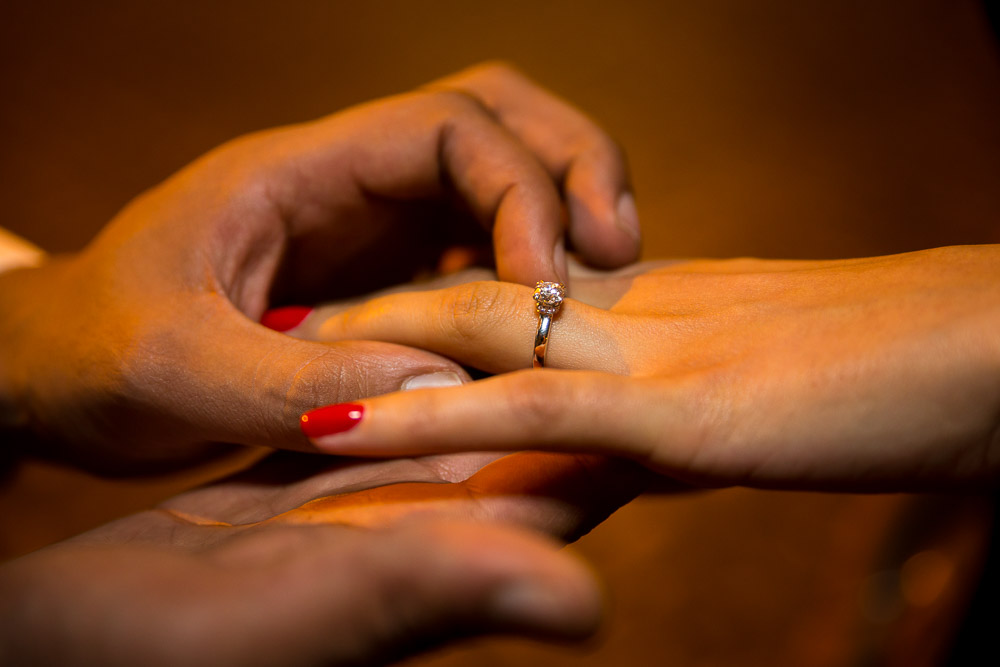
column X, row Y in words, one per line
column 145, row 346
column 310, row 560
column 874, row 374
column 316, row 560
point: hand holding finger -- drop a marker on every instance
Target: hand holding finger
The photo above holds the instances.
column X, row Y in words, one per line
column 165, row 299
column 863, row 374
column 487, row 325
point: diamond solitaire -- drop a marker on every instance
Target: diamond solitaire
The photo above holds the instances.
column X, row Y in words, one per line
column 548, row 297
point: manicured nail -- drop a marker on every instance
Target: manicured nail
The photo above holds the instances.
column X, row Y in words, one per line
column 627, row 216
column 331, row 419
column 284, row 319
column 442, row 379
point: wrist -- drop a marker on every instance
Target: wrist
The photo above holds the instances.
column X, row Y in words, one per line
column 13, row 326
column 28, row 349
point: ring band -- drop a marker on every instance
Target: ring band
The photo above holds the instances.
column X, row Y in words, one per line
column 548, row 299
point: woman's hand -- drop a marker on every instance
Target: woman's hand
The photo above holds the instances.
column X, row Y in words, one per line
column 303, row 561
column 876, row 374
column 150, row 336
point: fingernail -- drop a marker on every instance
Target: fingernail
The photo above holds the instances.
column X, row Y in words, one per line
column 442, row 379
column 284, row 319
column 529, row 604
column 331, row 419
column 627, row 215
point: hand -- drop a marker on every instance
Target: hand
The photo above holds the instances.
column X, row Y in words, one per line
column 150, row 336
column 269, row 568
column 865, row 374
column 552, row 493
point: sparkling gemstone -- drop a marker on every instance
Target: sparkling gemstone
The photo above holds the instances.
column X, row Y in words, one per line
column 548, row 296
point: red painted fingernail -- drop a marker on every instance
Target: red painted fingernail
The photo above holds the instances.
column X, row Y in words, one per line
column 283, row 319
column 331, row 419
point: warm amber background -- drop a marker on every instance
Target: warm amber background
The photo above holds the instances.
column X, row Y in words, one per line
column 774, row 128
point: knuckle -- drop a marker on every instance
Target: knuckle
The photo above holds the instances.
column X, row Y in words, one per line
column 540, row 400
column 422, row 423
column 456, row 102
column 144, row 359
column 473, row 310
column 498, row 70
column 703, row 424
column 606, row 147
column 321, row 380
column 242, row 159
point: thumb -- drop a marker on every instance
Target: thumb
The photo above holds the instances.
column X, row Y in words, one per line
column 244, row 383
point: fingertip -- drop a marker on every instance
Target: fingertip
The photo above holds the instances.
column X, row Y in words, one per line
column 599, row 240
column 529, row 269
column 561, row 597
column 330, row 420
column 531, row 585
column 327, row 426
column 525, row 255
column 566, row 609
column 285, row 318
column 627, row 216
column 604, row 220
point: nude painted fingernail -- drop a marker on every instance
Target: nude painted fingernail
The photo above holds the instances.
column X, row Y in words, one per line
column 286, row 318
column 331, row 419
column 627, row 215
column 442, row 379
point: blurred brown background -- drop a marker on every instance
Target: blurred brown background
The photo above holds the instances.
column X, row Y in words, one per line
column 774, row 128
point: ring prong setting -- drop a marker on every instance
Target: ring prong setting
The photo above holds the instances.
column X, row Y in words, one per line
column 548, row 297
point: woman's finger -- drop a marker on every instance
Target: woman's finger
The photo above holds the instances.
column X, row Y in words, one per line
column 487, row 325
column 578, row 154
column 547, row 409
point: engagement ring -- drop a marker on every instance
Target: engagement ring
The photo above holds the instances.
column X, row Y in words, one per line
column 548, row 299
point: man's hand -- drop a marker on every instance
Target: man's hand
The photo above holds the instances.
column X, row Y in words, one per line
column 181, row 594
column 150, row 336
column 308, row 560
